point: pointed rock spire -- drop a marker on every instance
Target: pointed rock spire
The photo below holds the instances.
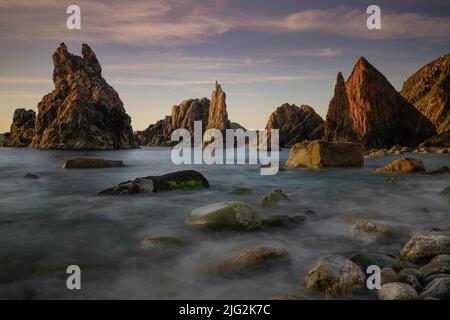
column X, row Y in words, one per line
column 368, row 109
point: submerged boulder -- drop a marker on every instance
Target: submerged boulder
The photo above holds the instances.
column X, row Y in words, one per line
column 336, row 275
column 184, row 180
column 322, row 154
column 369, row 231
column 282, row 220
column 275, row 195
column 404, row 165
column 424, row 246
column 234, row 215
column 92, row 163
column 253, row 259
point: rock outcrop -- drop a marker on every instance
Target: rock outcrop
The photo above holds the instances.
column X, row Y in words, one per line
column 182, row 117
column 429, row 91
column 213, row 115
column 321, row 154
column 295, row 124
column 83, row 111
column 366, row 108
column 22, row 129
column 218, row 116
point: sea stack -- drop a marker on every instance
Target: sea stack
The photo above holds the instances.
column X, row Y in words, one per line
column 83, row 111
column 429, row 91
column 367, row 109
column 22, row 129
column 212, row 113
column 218, row 116
column 295, row 124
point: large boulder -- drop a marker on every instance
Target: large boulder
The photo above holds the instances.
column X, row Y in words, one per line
column 179, row 180
column 336, row 275
column 322, row 154
column 366, row 259
column 429, row 91
column 367, row 109
column 22, row 129
column 234, row 215
column 83, row 111
column 438, row 288
column 250, row 260
column 404, row 165
column 424, row 246
column 295, row 124
column 397, row 291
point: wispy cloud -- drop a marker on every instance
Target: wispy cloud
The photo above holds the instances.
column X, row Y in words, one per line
column 6, row 80
column 328, row 52
column 172, row 23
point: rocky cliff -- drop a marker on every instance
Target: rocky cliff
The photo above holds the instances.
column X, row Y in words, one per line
column 83, row 111
column 295, row 124
column 367, row 109
column 429, row 91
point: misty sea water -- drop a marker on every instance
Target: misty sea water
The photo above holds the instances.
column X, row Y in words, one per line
column 49, row 223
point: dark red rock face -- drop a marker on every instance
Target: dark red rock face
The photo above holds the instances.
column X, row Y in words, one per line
column 429, row 91
column 83, row 111
column 367, row 109
column 295, row 124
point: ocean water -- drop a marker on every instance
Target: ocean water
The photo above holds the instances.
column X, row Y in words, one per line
column 58, row 220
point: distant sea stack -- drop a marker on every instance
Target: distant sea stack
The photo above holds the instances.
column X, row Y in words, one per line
column 83, row 111
column 295, row 124
column 367, row 109
column 212, row 113
column 182, row 116
column 22, row 129
column 429, row 91
column 218, row 116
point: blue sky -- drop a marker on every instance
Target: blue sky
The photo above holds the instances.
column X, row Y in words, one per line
column 265, row 53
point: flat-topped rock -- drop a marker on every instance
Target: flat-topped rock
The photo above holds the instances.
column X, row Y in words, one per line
column 92, row 163
column 323, row 154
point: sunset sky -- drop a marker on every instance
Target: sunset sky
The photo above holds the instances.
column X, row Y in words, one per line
column 156, row 53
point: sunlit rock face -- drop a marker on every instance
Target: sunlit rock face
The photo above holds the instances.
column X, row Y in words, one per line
column 429, row 91
column 83, row 111
column 367, row 109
